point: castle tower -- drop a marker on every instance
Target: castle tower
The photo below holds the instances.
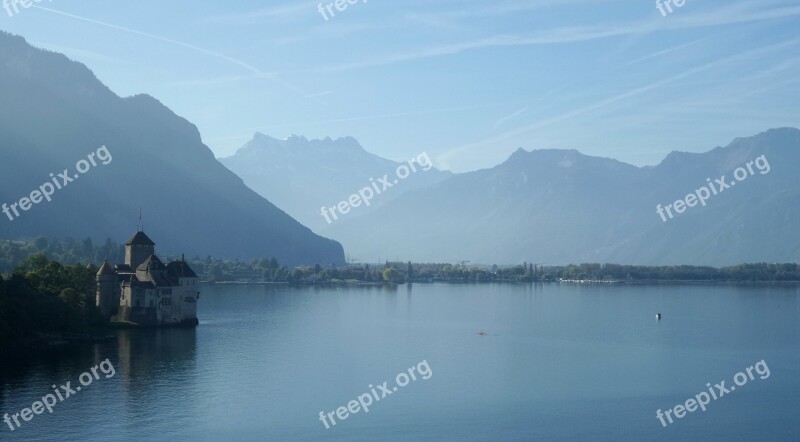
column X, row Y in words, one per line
column 138, row 249
column 107, row 298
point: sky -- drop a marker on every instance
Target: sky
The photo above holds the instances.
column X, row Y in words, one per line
column 466, row 81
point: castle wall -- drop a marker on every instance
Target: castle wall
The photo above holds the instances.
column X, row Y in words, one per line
column 107, row 295
column 187, row 295
column 137, row 254
column 162, row 306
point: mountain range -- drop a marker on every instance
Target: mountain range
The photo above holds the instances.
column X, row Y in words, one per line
column 546, row 206
column 56, row 112
column 543, row 206
column 560, row 206
column 300, row 176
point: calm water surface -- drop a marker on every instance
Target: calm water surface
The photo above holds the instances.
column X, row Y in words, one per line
column 558, row 362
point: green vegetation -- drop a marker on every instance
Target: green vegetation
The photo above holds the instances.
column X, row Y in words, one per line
column 607, row 272
column 67, row 252
column 399, row 272
column 391, row 275
column 739, row 273
column 42, row 300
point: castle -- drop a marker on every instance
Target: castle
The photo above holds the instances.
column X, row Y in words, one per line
column 144, row 290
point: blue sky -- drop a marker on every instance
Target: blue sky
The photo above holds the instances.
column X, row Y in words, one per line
column 467, row 81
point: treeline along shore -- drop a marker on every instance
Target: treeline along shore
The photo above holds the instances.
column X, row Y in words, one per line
column 43, row 300
column 269, row 270
column 397, row 272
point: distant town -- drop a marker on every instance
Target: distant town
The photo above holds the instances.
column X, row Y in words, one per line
column 269, row 270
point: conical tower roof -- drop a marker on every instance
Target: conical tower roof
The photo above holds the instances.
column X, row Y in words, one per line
column 153, row 263
column 105, row 269
column 140, row 239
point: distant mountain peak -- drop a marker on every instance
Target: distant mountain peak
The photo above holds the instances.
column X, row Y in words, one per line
column 771, row 139
column 300, row 175
column 519, row 153
column 777, row 136
column 261, row 136
column 562, row 158
column 298, row 144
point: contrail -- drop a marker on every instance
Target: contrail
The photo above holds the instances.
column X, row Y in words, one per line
column 221, row 56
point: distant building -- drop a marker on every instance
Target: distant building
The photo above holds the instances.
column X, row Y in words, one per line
column 144, row 290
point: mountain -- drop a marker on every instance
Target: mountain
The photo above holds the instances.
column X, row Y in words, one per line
column 56, row 113
column 560, row 206
column 301, row 175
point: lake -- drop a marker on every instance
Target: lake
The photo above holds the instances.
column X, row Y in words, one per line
column 554, row 362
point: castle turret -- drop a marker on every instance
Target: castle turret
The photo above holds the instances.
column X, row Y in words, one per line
column 138, row 249
column 107, row 298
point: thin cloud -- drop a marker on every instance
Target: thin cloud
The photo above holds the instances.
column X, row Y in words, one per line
column 662, row 52
column 80, row 53
column 394, row 115
column 219, row 80
column 494, row 8
column 445, row 157
column 731, row 15
column 499, row 122
column 252, row 69
column 320, row 94
column 282, row 12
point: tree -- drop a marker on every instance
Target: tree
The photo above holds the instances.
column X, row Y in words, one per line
column 32, row 263
column 72, row 298
column 391, row 275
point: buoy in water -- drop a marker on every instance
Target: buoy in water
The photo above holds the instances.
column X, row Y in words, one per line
column 658, row 316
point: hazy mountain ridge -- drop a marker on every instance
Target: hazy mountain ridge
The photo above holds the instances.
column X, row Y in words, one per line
column 58, row 112
column 301, row 175
column 560, row 206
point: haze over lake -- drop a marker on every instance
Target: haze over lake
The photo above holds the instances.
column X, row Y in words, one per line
column 557, row 362
column 418, row 220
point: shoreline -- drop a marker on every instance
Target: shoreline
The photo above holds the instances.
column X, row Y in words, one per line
column 575, row 282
